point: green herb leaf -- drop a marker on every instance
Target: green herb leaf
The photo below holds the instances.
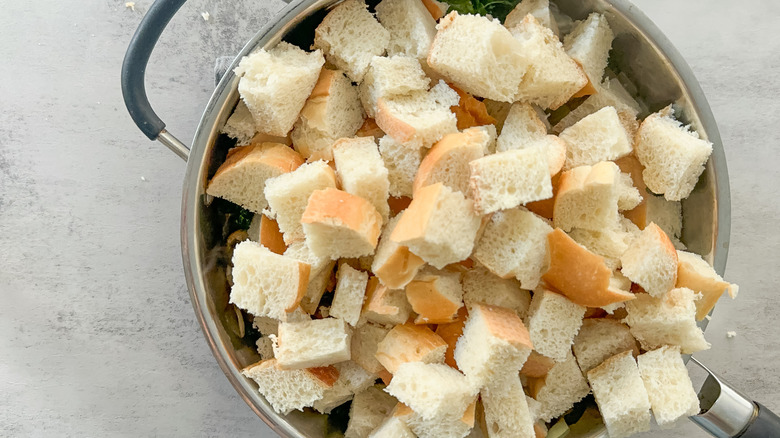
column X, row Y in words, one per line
column 495, row 8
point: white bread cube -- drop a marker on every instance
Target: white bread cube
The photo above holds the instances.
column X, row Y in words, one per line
column 610, row 93
column 435, row 296
column 666, row 320
column 331, row 112
column 482, row 286
column 508, row 179
column 668, row 385
column 410, row 343
column 514, row 244
column 362, row 172
column 608, row 243
column 696, row 274
column 552, row 77
column 651, row 261
column 365, row 339
column 339, row 224
column 589, row 44
column 628, row 195
column 314, row 343
column 674, row 156
column 621, row 395
column 553, row 322
column 392, row 427
column 562, row 387
column 540, row 9
column 479, row 56
column 384, row 305
column 666, row 214
column 394, row 265
column 274, row 99
column 588, row 198
column 389, row 77
column 240, row 125
column 411, row 27
column 495, row 343
column 350, row 36
column 401, row 163
column 349, row 294
column 436, row 428
column 521, row 127
column 597, row 137
column 433, row 391
column 418, row 119
column 448, row 160
column 352, row 380
column 289, row 390
column 599, row 339
column 288, row 195
column 241, row 178
column 319, row 277
column 264, row 283
column 506, row 409
column 369, row 408
column 439, row 226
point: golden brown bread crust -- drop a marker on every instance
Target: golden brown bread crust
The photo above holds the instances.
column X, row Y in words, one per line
column 401, row 131
column 631, row 165
column 537, row 365
column 434, row 9
column 304, row 269
column 407, row 343
column 336, row 207
column 275, row 155
column 504, row 324
column 545, row 207
column 450, row 334
column 414, row 223
column 327, row 375
column 440, row 151
column 470, row 111
column 399, row 268
column 370, row 129
column 431, row 306
column 270, row 236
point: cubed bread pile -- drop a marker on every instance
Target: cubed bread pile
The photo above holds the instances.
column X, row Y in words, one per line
column 428, row 246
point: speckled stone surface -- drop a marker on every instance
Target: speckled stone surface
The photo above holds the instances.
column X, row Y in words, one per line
column 97, row 335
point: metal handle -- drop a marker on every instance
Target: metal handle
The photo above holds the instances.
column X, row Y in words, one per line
column 134, row 73
column 765, row 424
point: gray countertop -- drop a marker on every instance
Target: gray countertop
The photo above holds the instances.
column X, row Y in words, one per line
column 97, row 335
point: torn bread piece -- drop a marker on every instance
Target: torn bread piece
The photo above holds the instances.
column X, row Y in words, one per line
column 410, row 343
column 506, row 409
column 314, row 343
column 365, row 339
column 392, row 427
column 610, row 93
column 389, row 77
column 537, row 365
column 394, row 265
column 411, row 27
column 696, row 274
column 349, row 294
column 600, row 339
column 651, row 261
column 559, row 390
column 589, row 44
column 448, row 160
column 482, row 286
column 290, row 390
column 352, row 380
column 436, row 428
column 384, row 305
column 265, row 231
column 362, row 172
column 621, row 395
column 369, row 408
column 597, row 137
column 553, row 322
column 435, row 296
column 433, row 391
column 588, row 198
column 240, row 125
column 668, row 385
column 450, row 333
column 401, row 163
column 540, row 9
column 319, row 277
column 521, row 127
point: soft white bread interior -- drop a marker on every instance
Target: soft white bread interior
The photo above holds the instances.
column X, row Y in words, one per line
column 537, row 365
column 401, row 163
column 600, row 339
column 433, row 391
column 552, row 77
column 411, row 27
column 339, row 224
column 553, row 322
column 261, row 84
column 319, row 277
column 391, row 76
column 365, row 339
column 362, row 172
column 289, row 390
column 628, row 195
column 673, row 155
column 241, row 178
column 435, row 296
column 589, row 44
column 521, row 127
column 508, row 179
column 651, row 261
column 392, row 427
column 331, row 112
column 350, row 36
column 621, row 395
column 666, row 320
column 588, row 198
column 668, row 385
column 494, row 344
column 288, row 195
column 448, row 160
column 369, row 408
column 696, row 274
column 349, row 294
column 514, row 244
column 439, row 226
column 610, row 93
column 482, row 286
column 562, row 387
column 352, row 380
column 608, row 243
column 435, row 428
column 478, row 55
column 313, row 343
column 384, row 305
column 394, row 265
column 264, row 283
column 540, row 9
column 597, row 137
column 410, row 343
column 240, row 125
column 506, row 409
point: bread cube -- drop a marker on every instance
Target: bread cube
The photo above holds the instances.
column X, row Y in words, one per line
column 506, row 409
column 448, row 160
column 589, row 43
column 364, row 344
column 540, row 9
column 482, row 286
column 352, row 379
column 479, row 56
column 265, row 231
column 450, row 333
column 434, row 391
column 314, row 343
column 411, row 27
column 494, row 343
column 508, row 179
column 362, row 172
column 264, row 283
column 610, row 93
column 350, row 37
column 241, row 178
column 599, row 339
column 621, row 395
column 439, row 226
column 288, row 195
column 401, row 163
column 394, row 265
column 289, row 390
column 562, row 387
column 651, row 261
column 521, row 127
column 607, row 243
column 696, row 274
column 588, row 198
column 392, row 427
column 668, row 385
column 410, row 343
column 673, row 155
column 369, row 408
column 514, row 244
column 384, row 305
column 349, row 294
column 435, row 296
column 597, row 137
column 319, row 277
column 389, row 77
column 553, row 321
column 537, row 365
column 260, row 85
column 666, row 320
column 436, row 428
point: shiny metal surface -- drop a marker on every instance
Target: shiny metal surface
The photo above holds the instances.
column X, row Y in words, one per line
column 656, row 69
column 173, row 144
column 725, row 412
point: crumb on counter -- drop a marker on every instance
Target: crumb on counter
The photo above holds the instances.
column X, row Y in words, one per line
column 205, row 16
column 709, row 318
column 143, row 178
column 731, row 334
column 130, row 5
